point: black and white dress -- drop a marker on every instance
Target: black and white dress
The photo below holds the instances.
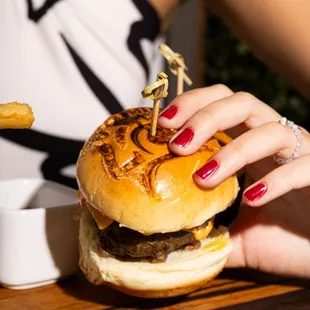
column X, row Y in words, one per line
column 75, row 62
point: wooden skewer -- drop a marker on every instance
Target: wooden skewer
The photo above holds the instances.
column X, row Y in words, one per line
column 180, row 86
column 176, row 66
column 155, row 92
column 155, row 115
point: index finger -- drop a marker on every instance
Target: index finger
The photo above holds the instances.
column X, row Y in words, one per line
column 186, row 105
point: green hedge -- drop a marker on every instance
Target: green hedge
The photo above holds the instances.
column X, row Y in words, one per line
column 230, row 62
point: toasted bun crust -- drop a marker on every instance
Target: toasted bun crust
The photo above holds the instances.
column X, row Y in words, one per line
column 182, row 273
column 133, row 178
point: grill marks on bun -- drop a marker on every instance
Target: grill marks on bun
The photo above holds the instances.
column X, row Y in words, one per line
column 134, row 179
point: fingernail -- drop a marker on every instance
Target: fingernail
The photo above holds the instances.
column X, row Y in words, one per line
column 207, row 170
column 256, row 192
column 184, row 138
column 170, row 112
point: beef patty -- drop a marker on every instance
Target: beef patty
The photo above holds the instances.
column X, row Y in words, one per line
column 125, row 243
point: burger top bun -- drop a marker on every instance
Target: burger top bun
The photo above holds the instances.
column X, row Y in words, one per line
column 134, row 179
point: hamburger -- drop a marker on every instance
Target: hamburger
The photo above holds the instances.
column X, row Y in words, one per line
column 146, row 229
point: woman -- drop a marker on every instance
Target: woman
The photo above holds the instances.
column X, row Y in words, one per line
column 75, row 62
column 271, row 232
column 71, row 59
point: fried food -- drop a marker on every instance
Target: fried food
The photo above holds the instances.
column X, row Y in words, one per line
column 14, row 115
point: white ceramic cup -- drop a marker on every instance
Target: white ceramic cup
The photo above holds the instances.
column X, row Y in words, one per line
column 38, row 233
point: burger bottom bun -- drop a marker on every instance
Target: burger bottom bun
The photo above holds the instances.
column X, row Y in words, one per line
column 182, row 273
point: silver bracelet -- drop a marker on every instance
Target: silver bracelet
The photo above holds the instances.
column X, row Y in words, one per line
column 282, row 161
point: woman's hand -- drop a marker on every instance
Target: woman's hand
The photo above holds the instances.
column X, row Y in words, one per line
column 274, row 237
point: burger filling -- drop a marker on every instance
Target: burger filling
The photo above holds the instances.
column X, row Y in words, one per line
column 127, row 244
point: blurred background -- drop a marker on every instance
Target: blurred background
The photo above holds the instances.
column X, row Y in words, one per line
column 214, row 55
column 229, row 61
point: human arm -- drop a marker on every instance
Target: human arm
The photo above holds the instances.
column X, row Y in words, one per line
column 277, row 31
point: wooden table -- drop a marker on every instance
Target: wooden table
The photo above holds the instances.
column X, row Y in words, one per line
column 234, row 289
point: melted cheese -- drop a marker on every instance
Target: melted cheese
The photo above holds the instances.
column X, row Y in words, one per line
column 202, row 233
column 101, row 220
column 217, row 244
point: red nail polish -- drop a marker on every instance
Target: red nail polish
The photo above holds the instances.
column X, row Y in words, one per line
column 184, row 138
column 170, row 112
column 207, row 170
column 255, row 192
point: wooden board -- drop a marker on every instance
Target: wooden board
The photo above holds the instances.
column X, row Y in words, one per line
column 235, row 289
